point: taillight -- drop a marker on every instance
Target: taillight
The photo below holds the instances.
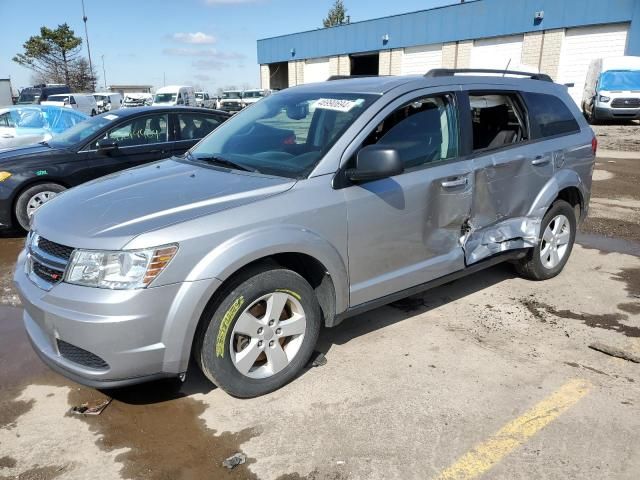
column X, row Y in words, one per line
column 594, row 144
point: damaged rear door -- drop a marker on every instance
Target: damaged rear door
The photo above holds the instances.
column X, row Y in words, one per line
column 508, row 173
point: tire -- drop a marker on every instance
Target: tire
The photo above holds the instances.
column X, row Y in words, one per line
column 32, row 198
column 93, row 113
column 242, row 354
column 591, row 117
column 540, row 264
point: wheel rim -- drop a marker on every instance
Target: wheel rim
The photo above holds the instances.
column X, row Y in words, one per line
column 555, row 241
column 268, row 335
column 37, row 201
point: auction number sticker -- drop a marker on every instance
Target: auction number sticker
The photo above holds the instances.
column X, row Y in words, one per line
column 337, row 104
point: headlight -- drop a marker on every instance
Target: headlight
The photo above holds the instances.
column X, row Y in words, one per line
column 604, row 99
column 118, row 270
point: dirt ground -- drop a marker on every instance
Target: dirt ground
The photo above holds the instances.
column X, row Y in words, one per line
column 490, row 375
column 624, row 137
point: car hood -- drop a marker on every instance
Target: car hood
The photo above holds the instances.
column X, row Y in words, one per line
column 109, row 212
column 34, row 150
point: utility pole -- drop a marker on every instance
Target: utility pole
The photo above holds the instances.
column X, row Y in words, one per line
column 86, row 35
column 104, row 74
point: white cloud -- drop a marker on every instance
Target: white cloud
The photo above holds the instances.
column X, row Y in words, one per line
column 209, row 64
column 206, row 52
column 198, row 38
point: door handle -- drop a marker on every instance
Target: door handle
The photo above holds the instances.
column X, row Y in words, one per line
column 541, row 160
column 454, row 183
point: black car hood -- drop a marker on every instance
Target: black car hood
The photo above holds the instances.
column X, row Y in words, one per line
column 38, row 150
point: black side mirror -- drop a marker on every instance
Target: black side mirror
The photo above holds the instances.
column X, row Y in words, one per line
column 569, row 85
column 107, row 145
column 375, row 162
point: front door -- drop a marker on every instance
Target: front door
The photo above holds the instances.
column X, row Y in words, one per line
column 405, row 230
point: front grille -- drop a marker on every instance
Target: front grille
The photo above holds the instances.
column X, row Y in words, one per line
column 55, row 249
column 626, row 103
column 47, row 274
column 82, row 357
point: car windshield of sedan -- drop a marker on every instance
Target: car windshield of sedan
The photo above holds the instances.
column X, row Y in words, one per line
column 286, row 134
column 81, row 132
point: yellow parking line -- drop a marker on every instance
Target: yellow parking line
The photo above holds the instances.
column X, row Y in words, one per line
column 485, row 455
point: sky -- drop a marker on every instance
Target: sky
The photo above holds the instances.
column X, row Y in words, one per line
column 206, row 43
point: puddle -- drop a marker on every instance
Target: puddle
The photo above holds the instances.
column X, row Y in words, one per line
column 605, row 321
column 9, row 249
column 631, row 276
column 607, row 244
column 632, row 308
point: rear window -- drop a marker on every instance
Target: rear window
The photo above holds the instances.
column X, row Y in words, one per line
column 549, row 115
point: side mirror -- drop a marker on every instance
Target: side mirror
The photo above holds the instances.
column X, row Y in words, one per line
column 569, row 85
column 107, row 145
column 375, row 162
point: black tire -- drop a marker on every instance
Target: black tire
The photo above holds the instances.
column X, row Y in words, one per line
column 213, row 338
column 93, row 113
column 23, row 199
column 592, row 117
column 531, row 267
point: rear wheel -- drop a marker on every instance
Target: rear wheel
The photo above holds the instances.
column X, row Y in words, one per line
column 32, row 199
column 591, row 116
column 260, row 334
column 558, row 232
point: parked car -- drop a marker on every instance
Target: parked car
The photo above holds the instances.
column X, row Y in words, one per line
column 249, row 97
column 98, row 146
column 40, row 93
column 612, row 89
column 27, row 124
column 108, row 101
column 82, row 102
column 231, row 101
column 137, row 100
column 175, row 95
column 203, row 100
column 283, row 220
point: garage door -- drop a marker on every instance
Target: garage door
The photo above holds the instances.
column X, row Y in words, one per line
column 581, row 45
column 497, row 52
column 419, row 60
column 316, row 70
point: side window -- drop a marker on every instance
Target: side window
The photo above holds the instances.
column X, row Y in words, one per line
column 6, row 120
column 139, row 131
column 423, row 131
column 498, row 120
column 549, row 115
column 196, row 125
column 180, row 99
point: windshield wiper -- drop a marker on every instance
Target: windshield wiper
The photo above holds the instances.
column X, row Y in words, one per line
column 223, row 162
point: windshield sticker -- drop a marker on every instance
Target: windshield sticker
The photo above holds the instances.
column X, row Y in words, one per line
column 337, row 104
column 110, row 117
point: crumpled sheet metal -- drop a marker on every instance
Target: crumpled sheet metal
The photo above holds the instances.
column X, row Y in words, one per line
column 515, row 233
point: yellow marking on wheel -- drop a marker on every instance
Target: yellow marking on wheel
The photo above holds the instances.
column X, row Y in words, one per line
column 290, row 292
column 224, row 325
column 487, row 454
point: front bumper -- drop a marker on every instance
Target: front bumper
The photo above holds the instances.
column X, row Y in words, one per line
column 135, row 335
column 617, row 113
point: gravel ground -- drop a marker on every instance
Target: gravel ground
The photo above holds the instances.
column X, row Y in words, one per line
column 624, row 137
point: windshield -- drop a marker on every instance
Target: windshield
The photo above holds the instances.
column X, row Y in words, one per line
column 29, row 96
column 199, row 96
column 231, row 95
column 285, row 134
column 100, row 97
column 165, row 97
column 58, row 98
column 82, row 131
column 620, row 80
column 253, row 94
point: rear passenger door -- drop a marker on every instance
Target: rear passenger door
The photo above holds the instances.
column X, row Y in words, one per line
column 405, row 230
column 191, row 127
column 512, row 163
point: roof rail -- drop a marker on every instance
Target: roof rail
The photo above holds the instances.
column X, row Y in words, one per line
column 449, row 72
column 349, row 77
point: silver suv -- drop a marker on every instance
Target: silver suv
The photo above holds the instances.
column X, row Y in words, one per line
column 318, row 203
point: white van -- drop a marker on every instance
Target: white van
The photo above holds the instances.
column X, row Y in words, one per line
column 175, row 95
column 83, row 102
column 137, row 99
column 108, row 101
column 249, row 97
column 612, row 89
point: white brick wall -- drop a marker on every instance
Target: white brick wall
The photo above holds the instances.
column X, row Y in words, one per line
column 384, row 62
column 531, row 49
column 264, row 77
column 344, row 65
column 333, row 66
column 449, row 55
column 464, row 54
column 551, row 48
column 296, row 72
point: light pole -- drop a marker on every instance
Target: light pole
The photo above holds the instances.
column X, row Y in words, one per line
column 86, row 35
column 104, row 74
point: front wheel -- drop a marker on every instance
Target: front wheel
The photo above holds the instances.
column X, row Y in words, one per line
column 33, row 198
column 260, row 334
column 557, row 235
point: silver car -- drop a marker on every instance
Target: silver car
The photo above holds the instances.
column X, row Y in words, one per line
column 318, row 203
